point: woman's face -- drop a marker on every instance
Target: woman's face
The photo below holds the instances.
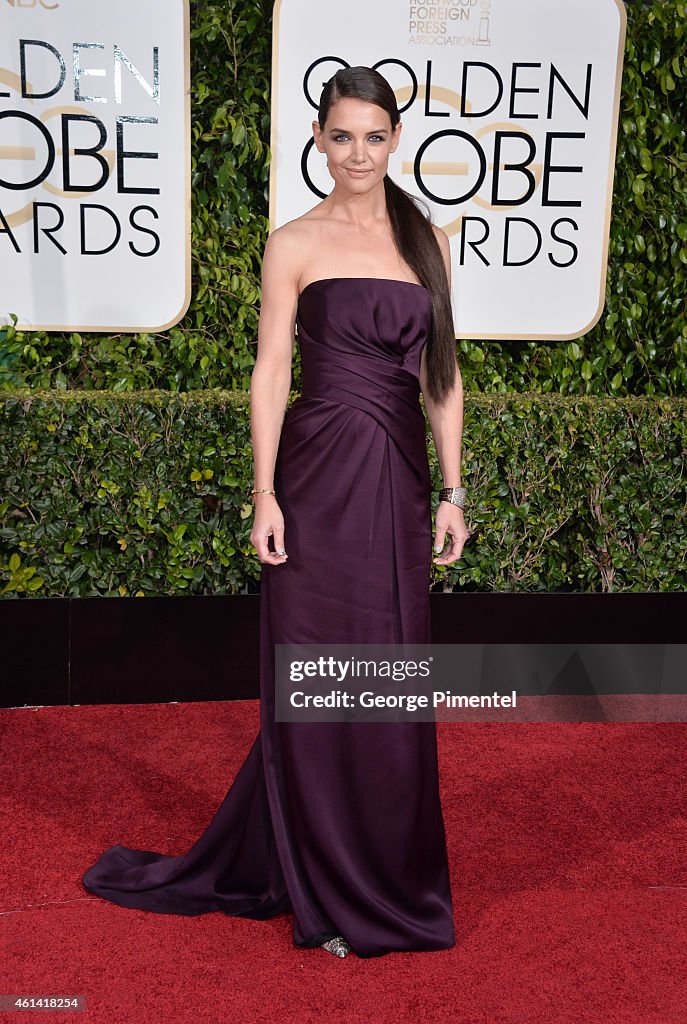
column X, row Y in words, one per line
column 357, row 139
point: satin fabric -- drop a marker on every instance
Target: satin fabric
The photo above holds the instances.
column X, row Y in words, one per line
column 339, row 823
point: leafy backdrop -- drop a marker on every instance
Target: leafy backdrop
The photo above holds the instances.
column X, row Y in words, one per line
column 639, row 348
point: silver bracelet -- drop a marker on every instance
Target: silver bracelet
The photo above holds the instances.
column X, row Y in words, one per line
column 456, row 495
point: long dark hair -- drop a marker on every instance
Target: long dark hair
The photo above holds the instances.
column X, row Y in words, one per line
column 412, row 229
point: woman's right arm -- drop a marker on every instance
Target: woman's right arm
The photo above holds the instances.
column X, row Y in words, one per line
column 271, row 381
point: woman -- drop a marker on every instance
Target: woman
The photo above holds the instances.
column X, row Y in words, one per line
column 339, row 822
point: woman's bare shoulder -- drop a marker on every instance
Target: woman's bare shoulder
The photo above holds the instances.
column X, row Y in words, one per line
column 289, row 246
column 445, row 248
column 294, row 232
column 287, row 251
column 442, row 238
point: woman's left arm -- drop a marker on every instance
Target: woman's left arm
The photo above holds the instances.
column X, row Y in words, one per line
column 446, row 423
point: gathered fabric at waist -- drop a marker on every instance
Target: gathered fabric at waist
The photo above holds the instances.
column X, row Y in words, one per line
column 385, row 391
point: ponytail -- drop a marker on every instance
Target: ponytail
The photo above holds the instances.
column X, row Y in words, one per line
column 418, row 246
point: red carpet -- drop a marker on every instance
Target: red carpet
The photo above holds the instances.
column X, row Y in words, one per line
column 567, row 844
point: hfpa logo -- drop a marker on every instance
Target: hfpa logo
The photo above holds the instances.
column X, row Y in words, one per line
column 33, row 3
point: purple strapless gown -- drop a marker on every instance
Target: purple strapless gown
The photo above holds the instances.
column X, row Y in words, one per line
column 339, row 823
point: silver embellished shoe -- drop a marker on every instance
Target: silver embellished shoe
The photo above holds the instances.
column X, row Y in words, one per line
column 338, row 946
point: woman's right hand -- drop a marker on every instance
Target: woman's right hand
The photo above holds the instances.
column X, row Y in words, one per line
column 268, row 522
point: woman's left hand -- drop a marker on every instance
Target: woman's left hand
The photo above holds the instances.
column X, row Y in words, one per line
column 449, row 520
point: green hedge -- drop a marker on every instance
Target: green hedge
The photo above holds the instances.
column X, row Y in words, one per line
column 146, row 493
column 638, row 347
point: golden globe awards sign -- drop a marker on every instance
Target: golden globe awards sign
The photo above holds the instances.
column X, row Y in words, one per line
column 509, row 112
column 94, row 164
